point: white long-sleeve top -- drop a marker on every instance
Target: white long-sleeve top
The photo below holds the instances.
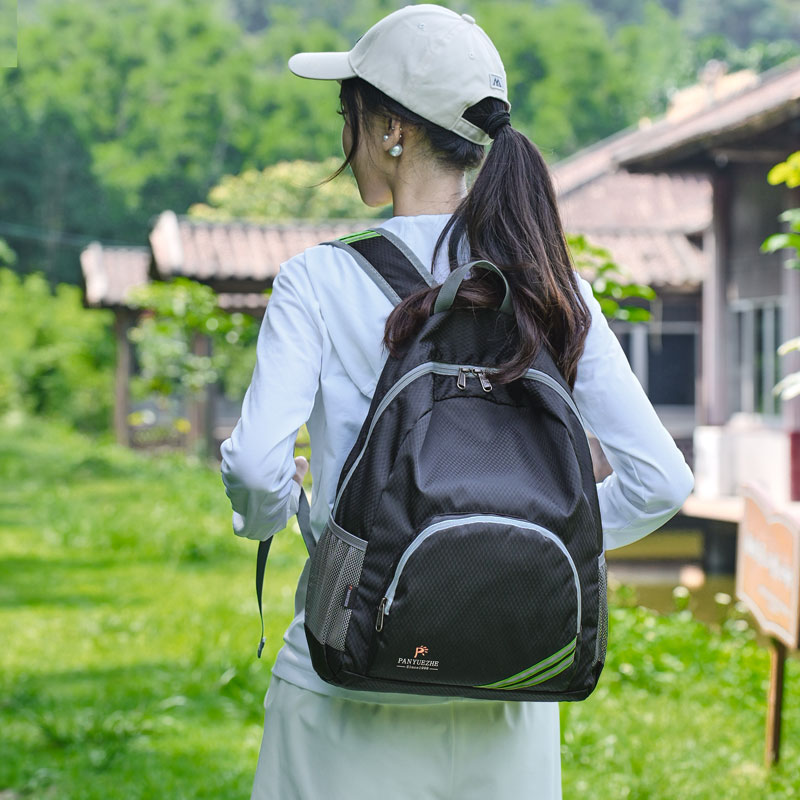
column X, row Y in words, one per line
column 319, row 356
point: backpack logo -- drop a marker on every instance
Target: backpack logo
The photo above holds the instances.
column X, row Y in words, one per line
column 496, row 81
column 415, row 662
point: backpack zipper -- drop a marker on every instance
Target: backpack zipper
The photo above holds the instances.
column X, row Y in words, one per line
column 481, row 374
column 460, row 370
column 388, row 599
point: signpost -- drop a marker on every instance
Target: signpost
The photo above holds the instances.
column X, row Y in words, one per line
column 768, row 583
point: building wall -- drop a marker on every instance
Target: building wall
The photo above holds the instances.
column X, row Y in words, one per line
column 754, row 210
column 752, row 446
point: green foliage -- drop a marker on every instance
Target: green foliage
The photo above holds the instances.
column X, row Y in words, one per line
column 741, row 21
column 131, row 108
column 179, row 312
column 607, row 288
column 679, row 712
column 7, row 256
column 57, row 357
column 656, row 59
column 129, row 626
column 565, row 81
column 120, row 110
column 787, row 172
column 287, row 190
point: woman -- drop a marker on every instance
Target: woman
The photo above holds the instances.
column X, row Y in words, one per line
column 422, row 93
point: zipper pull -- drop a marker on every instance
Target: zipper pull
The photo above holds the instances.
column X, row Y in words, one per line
column 381, row 607
column 462, row 378
column 485, row 385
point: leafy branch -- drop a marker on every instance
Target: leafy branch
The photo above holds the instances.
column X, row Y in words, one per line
column 608, row 282
column 176, row 314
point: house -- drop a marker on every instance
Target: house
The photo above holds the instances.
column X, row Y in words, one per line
column 239, row 260
column 684, row 204
column 750, row 301
column 654, row 226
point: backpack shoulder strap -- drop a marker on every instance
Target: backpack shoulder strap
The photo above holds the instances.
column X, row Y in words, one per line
column 388, row 261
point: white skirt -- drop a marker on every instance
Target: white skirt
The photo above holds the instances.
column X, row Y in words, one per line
column 317, row 747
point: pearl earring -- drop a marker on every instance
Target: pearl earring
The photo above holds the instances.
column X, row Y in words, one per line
column 396, row 150
column 385, row 136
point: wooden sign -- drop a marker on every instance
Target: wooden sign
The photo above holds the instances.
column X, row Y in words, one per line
column 768, row 564
column 768, row 583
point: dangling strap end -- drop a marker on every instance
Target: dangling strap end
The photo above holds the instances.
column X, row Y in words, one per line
column 261, row 646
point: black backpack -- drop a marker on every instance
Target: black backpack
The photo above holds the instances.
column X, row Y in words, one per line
column 464, row 552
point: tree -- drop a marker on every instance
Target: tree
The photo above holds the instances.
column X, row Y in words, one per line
column 285, row 190
column 565, row 80
column 130, row 109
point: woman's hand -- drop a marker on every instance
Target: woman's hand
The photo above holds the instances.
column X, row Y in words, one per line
column 302, row 467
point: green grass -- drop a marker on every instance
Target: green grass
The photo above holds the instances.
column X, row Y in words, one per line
column 128, row 624
column 128, row 629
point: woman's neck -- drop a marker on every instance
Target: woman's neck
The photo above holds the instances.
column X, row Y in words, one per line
column 433, row 192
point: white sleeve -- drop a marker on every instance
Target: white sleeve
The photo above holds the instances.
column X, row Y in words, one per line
column 258, row 458
column 651, row 479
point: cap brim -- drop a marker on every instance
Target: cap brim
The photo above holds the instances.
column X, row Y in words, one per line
column 322, row 66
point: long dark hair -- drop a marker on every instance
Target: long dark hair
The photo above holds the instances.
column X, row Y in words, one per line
column 508, row 217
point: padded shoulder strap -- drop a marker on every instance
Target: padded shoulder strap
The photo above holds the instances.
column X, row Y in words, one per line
column 388, row 261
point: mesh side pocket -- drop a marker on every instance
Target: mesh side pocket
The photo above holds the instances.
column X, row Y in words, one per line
column 333, row 577
column 602, row 610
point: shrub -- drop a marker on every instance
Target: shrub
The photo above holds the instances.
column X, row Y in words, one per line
column 57, row 357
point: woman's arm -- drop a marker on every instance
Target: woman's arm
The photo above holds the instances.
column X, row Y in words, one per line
column 258, row 459
column 651, row 478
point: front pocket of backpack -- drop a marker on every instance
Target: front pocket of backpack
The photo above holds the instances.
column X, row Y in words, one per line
column 481, row 600
column 333, row 577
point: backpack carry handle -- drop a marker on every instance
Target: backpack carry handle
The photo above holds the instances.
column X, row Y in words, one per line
column 451, row 286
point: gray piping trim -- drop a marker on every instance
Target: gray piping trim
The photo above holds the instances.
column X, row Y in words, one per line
column 345, row 536
column 370, row 270
column 408, row 253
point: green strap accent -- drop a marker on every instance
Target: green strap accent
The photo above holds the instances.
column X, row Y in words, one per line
column 450, row 287
column 530, row 672
column 357, row 237
column 545, row 676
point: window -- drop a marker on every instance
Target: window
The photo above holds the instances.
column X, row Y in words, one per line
column 663, row 356
column 671, row 367
column 755, row 366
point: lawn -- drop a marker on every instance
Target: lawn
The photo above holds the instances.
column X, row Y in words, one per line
column 128, row 629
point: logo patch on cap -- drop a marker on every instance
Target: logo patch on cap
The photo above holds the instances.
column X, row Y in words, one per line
column 496, row 81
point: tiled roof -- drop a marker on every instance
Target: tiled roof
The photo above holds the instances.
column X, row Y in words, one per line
column 108, row 272
column 772, row 99
column 642, row 219
column 235, row 251
column 656, row 258
column 620, row 199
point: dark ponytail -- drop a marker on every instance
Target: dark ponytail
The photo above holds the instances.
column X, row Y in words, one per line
column 509, row 217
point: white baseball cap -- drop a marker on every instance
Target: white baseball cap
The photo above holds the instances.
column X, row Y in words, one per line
column 435, row 62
